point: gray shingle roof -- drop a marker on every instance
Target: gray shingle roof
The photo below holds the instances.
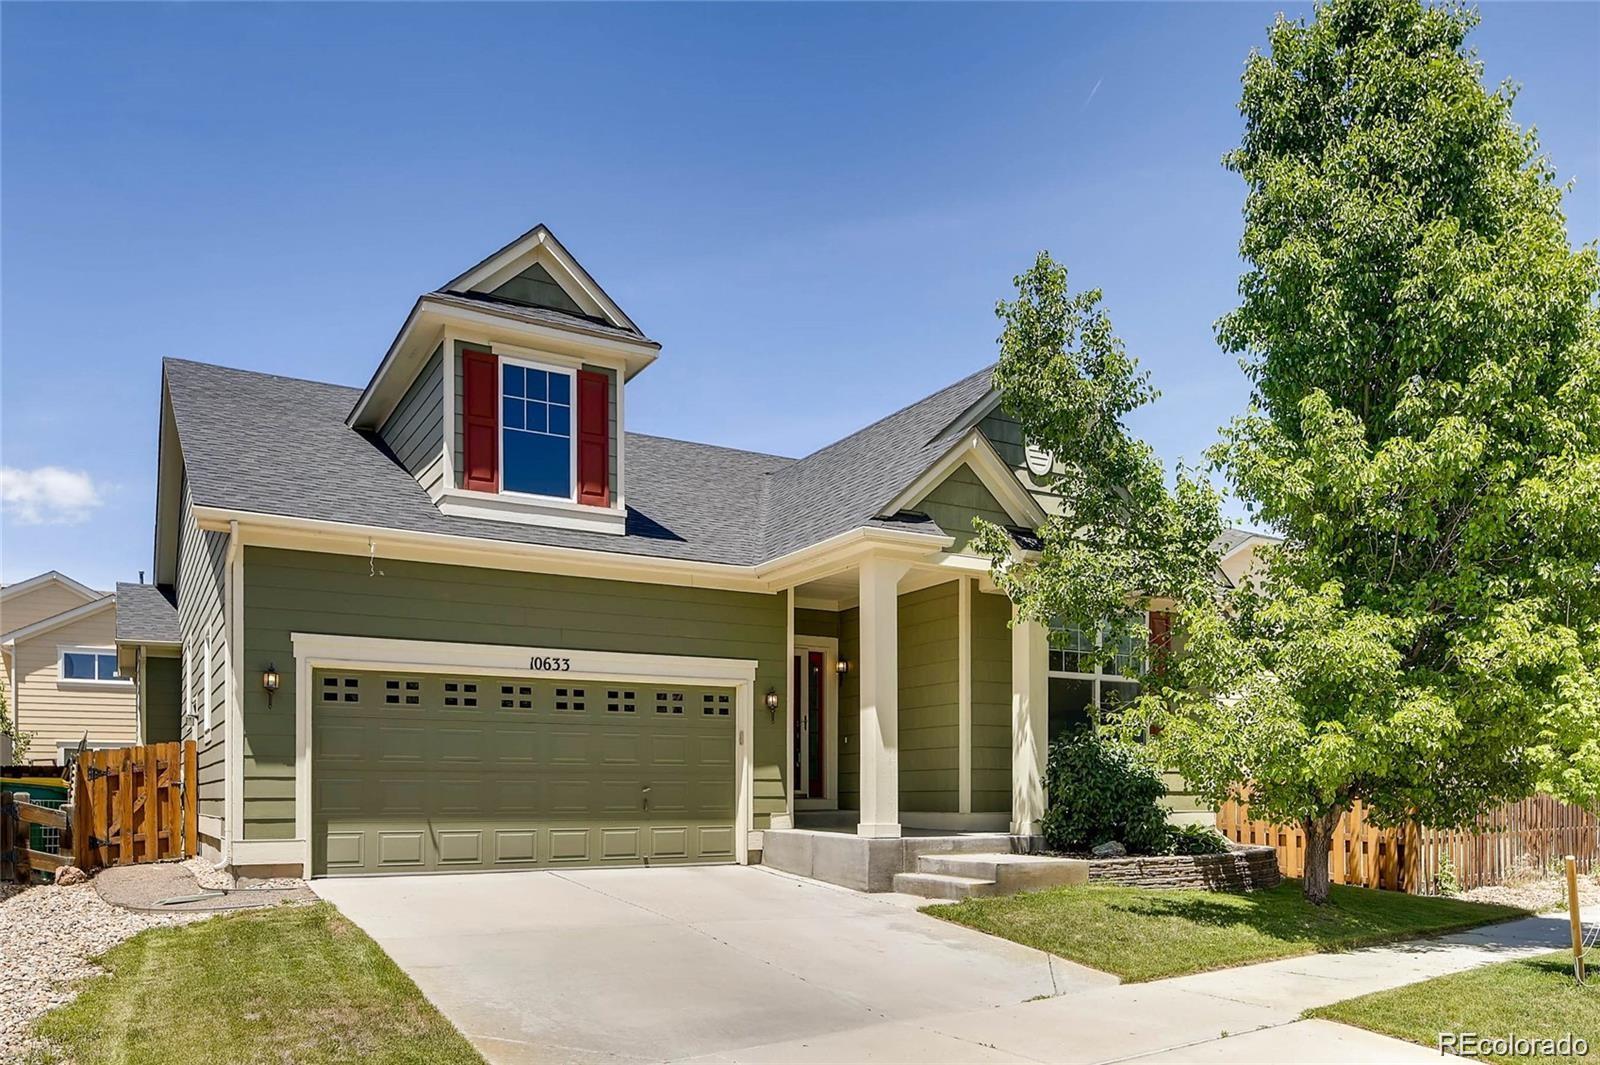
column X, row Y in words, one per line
column 147, row 613
column 849, row 483
column 279, row 445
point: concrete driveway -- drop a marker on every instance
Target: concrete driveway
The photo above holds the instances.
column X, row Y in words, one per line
column 671, row 963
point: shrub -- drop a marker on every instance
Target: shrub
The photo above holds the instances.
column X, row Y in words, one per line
column 1195, row 839
column 1098, row 790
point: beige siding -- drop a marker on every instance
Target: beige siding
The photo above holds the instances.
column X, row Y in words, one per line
column 45, row 601
column 202, row 562
column 56, row 712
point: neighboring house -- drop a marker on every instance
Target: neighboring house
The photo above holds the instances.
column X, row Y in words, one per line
column 1239, row 553
column 57, row 647
column 149, row 645
column 463, row 619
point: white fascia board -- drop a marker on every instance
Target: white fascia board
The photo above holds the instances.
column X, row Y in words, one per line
column 536, row 244
column 975, row 451
column 11, row 591
column 333, row 537
column 44, row 625
column 432, row 319
column 1248, row 543
column 316, row 534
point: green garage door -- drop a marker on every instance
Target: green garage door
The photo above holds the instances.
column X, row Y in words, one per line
column 417, row 771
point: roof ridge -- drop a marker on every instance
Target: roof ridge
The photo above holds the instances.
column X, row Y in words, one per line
column 896, row 413
column 174, row 360
column 717, row 447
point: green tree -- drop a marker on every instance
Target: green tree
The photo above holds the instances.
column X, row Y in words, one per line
column 1425, row 432
column 1124, row 536
column 19, row 740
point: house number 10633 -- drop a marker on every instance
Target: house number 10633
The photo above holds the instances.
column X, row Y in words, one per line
column 547, row 664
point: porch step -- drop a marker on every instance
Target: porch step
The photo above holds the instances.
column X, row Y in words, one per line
column 943, row 885
column 959, row 876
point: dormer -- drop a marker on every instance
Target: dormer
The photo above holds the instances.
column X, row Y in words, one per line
column 502, row 394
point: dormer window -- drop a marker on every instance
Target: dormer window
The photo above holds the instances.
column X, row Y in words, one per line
column 536, row 430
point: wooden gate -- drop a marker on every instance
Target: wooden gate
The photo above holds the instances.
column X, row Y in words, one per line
column 135, row 804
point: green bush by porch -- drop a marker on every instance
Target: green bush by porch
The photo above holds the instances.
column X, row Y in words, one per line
column 1147, row 934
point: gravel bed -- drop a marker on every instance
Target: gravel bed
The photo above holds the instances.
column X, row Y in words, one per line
column 49, row 934
column 214, row 878
column 1541, row 894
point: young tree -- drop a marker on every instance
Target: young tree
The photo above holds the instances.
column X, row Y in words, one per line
column 1124, row 536
column 1425, row 432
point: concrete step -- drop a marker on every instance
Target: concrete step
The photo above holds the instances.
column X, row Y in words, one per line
column 1010, row 873
column 942, row 885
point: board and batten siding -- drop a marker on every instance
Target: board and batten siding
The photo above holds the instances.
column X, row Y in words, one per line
column 458, row 437
column 414, row 430
column 296, row 591
column 202, row 565
column 55, row 712
column 991, row 703
column 956, row 501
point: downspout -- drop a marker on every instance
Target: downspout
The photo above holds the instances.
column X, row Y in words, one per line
column 233, row 723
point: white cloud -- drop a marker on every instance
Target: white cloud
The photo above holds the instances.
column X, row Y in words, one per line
column 48, row 495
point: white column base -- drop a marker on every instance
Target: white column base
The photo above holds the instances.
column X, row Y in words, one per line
column 878, row 831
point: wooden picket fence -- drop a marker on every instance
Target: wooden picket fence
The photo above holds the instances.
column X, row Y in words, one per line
column 129, row 805
column 1533, row 833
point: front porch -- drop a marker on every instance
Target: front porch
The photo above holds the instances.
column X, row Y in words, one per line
column 917, row 721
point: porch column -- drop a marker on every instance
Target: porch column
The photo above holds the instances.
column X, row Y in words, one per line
column 1030, row 724
column 880, row 697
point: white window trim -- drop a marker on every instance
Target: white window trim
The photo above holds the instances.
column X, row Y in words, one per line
column 63, row 681
column 205, row 688
column 572, row 425
column 1100, row 675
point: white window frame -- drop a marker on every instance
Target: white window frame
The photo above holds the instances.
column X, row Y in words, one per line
column 205, row 688
column 1100, row 675
column 63, row 681
column 572, row 424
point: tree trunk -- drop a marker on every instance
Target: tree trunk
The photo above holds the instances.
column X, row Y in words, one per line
column 1319, row 846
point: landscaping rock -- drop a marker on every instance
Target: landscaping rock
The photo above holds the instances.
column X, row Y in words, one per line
column 68, row 875
column 1109, row 849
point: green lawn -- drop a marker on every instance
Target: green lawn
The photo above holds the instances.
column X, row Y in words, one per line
column 295, row 983
column 1536, row 998
column 1143, row 934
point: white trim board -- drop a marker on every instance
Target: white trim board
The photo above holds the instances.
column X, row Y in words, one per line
column 327, row 651
column 38, row 580
column 43, row 625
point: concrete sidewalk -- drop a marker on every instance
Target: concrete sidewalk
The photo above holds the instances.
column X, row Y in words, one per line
column 1246, row 1014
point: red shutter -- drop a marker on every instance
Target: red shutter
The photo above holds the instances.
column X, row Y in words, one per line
column 480, row 410
column 594, row 439
column 1160, row 637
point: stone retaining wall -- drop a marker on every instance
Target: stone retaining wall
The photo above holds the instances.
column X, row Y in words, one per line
column 1243, row 868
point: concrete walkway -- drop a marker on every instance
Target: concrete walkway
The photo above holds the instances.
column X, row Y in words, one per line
column 1246, row 1014
column 728, row 964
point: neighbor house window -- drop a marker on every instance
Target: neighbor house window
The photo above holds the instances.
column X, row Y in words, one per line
column 89, row 665
column 1084, row 682
column 536, row 430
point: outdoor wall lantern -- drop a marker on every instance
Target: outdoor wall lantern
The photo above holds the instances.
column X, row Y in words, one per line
column 772, row 703
column 270, row 680
column 842, row 666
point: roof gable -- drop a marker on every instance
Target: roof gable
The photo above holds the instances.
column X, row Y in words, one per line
column 55, row 621
column 536, row 270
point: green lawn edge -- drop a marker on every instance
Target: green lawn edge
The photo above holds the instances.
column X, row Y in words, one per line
column 295, row 983
column 1141, row 934
column 1534, row 997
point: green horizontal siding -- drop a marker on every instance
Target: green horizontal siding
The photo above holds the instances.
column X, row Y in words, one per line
column 293, row 591
column 991, row 704
column 930, row 727
column 850, row 711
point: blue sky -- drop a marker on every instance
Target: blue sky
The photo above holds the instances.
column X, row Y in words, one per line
column 813, row 208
